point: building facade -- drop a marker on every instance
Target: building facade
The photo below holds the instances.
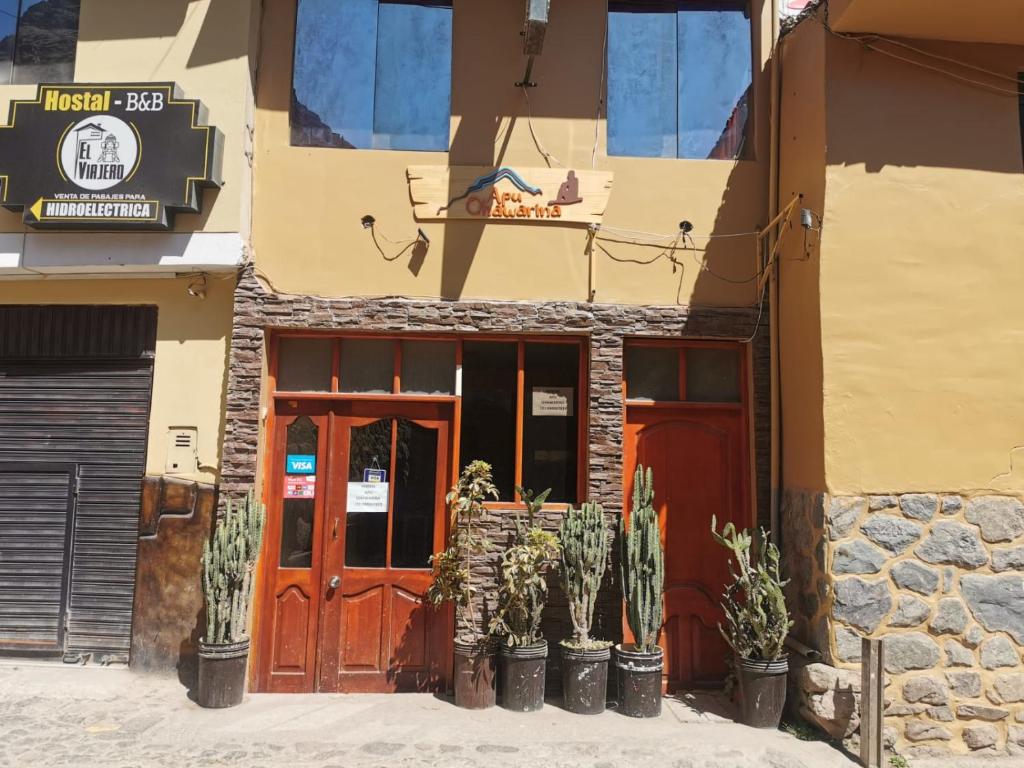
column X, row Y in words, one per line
column 901, row 356
column 114, row 337
column 462, row 252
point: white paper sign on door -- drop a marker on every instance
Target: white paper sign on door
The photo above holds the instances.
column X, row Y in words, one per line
column 552, row 401
column 368, row 497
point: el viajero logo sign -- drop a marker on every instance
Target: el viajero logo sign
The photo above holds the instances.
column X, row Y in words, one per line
column 107, row 156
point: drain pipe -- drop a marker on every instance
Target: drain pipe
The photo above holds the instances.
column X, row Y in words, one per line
column 773, row 283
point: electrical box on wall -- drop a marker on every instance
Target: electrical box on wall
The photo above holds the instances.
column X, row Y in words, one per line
column 182, row 451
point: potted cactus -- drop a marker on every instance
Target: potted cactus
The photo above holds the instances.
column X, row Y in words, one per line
column 757, row 623
column 229, row 559
column 475, row 657
column 638, row 665
column 522, row 594
column 585, row 546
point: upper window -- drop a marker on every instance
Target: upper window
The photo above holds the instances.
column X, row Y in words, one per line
column 38, row 40
column 679, row 78
column 697, row 374
column 372, row 74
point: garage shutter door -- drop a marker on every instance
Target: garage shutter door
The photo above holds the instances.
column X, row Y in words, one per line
column 36, row 505
column 75, row 388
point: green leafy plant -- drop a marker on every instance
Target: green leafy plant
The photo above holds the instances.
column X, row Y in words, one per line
column 899, row 761
column 228, row 563
column 453, row 572
column 643, row 564
column 523, row 589
column 585, row 544
column 754, row 603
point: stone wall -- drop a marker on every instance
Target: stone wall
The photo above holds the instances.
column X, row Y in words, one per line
column 606, row 326
column 941, row 578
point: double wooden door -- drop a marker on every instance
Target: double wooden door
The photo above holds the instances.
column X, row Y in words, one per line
column 355, row 509
column 698, row 455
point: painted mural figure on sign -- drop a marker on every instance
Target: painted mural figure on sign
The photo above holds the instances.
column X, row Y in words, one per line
column 569, row 191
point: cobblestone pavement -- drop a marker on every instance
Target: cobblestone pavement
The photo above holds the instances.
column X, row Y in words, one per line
column 83, row 717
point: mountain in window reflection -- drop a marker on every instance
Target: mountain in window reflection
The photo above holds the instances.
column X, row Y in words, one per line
column 309, row 129
column 732, row 142
column 47, row 33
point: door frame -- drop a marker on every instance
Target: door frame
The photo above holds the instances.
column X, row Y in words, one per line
column 654, row 412
column 329, row 411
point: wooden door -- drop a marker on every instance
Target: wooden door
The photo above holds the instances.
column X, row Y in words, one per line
column 386, row 516
column 699, row 458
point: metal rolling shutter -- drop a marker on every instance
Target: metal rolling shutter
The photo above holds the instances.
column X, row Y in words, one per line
column 36, row 505
column 75, row 387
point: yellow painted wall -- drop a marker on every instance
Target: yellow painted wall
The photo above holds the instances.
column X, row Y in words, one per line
column 204, row 46
column 994, row 21
column 920, row 277
column 308, row 201
column 191, row 351
column 802, row 172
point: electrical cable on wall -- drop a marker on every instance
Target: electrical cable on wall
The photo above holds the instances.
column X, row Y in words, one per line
column 548, row 157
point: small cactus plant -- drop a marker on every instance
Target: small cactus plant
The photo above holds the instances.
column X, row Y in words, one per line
column 643, row 564
column 754, row 602
column 585, row 545
column 228, row 563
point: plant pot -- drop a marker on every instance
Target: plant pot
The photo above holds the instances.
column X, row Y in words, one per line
column 475, row 674
column 585, row 680
column 762, row 691
column 222, row 670
column 522, row 677
column 639, row 680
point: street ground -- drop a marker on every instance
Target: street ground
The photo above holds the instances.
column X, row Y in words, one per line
column 87, row 717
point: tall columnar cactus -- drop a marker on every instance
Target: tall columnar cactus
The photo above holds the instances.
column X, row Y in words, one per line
column 643, row 564
column 585, row 545
column 228, row 564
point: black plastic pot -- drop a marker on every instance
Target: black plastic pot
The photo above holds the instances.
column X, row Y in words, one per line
column 222, row 670
column 762, row 691
column 639, row 680
column 585, row 680
column 475, row 674
column 522, row 677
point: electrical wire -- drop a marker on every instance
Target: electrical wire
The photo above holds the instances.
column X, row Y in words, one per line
column 866, row 42
column 548, row 157
column 600, row 89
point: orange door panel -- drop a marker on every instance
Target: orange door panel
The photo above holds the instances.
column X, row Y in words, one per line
column 699, row 459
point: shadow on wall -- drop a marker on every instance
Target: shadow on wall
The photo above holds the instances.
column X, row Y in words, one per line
column 131, row 19
column 920, row 126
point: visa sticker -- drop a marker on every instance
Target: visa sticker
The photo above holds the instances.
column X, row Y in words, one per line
column 300, row 464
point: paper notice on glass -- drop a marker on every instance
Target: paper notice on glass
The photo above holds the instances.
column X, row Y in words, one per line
column 552, row 401
column 368, row 497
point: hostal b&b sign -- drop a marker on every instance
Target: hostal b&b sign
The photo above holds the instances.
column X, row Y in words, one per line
column 107, row 156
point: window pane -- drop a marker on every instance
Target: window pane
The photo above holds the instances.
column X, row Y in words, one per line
column 550, row 421
column 412, row 535
column 714, row 79
column 412, row 102
column 366, row 533
column 428, row 367
column 367, row 365
column 47, row 39
column 332, row 81
column 642, row 70
column 300, row 489
column 713, row 375
column 652, row 373
column 489, row 373
column 8, row 26
column 304, row 365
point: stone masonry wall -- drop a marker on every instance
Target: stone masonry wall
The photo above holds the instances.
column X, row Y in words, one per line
column 941, row 578
column 606, row 326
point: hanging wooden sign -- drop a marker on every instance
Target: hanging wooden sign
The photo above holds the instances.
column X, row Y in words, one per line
column 545, row 195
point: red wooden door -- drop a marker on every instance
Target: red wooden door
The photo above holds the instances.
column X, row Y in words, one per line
column 699, row 458
column 377, row 630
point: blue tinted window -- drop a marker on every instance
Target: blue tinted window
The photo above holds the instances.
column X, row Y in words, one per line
column 372, row 74
column 38, row 39
column 679, row 76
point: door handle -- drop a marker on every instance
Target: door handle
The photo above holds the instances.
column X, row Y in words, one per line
column 335, row 582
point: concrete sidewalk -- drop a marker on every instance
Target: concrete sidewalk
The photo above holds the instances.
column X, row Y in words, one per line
column 83, row 717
